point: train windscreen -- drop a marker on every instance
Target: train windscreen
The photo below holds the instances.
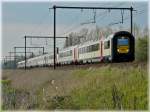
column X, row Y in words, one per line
column 123, row 42
column 123, row 45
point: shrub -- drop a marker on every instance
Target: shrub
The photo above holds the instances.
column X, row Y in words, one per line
column 141, row 49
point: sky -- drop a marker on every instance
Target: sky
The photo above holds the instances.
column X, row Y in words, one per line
column 35, row 18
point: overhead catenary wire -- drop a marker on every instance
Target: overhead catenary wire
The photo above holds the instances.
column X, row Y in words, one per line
column 99, row 16
column 126, row 18
column 73, row 26
column 40, row 23
column 79, row 24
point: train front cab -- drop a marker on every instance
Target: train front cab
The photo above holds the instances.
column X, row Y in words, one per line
column 123, row 47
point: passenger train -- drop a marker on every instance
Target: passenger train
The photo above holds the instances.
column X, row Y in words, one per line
column 117, row 47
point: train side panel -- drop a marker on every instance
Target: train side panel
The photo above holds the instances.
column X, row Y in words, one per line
column 66, row 56
column 107, row 49
column 89, row 52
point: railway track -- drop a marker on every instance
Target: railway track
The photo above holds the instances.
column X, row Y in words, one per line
column 90, row 65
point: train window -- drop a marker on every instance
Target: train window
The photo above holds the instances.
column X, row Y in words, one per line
column 107, row 45
column 87, row 48
column 80, row 51
column 70, row 52
column 95, row 47
column 84, row 49
column 122, row 42
column 51, row 57
column 60, row 54
column 90, row 48
column 65, row 54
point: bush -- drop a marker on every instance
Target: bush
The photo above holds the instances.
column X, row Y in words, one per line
column 141, row 49
column 13, row 98
column 115, row 90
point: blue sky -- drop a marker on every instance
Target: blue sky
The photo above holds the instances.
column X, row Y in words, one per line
column 34, row 18
column 33, row 12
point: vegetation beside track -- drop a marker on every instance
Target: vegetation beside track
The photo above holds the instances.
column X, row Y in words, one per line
column 113, row 86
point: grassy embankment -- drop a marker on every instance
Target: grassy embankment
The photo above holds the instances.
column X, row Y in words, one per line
column 110, row 87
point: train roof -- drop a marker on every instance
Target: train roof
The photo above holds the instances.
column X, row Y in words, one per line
column 108, row 37
column 89, row 43
column 68, row 48
column 21, row 61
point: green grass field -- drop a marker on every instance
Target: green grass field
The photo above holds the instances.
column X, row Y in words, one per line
column 121, row 86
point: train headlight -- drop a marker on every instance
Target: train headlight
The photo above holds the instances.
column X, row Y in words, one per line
column 123, row 49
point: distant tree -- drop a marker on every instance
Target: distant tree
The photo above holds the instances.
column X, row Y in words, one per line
column 40, row 52
column 136, row 30
column 83, row 32
column 107, row 31
column 97, row 33
column 145, row 31
column 68, row 41
column 83, row 35
column 31, row 55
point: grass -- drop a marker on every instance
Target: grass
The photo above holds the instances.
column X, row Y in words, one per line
column 113, row 88
column 110, row 87
column 12, row 98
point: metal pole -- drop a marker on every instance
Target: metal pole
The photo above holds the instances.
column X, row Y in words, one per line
column 15, row 56
column 54, row 34
column 25, row 53
column 43, row 50
column 10, row 59
column 6, row 59
column 32, row 54
column 131, row 9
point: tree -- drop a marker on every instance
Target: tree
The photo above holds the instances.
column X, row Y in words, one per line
column 136, row 30
column 141, row 50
